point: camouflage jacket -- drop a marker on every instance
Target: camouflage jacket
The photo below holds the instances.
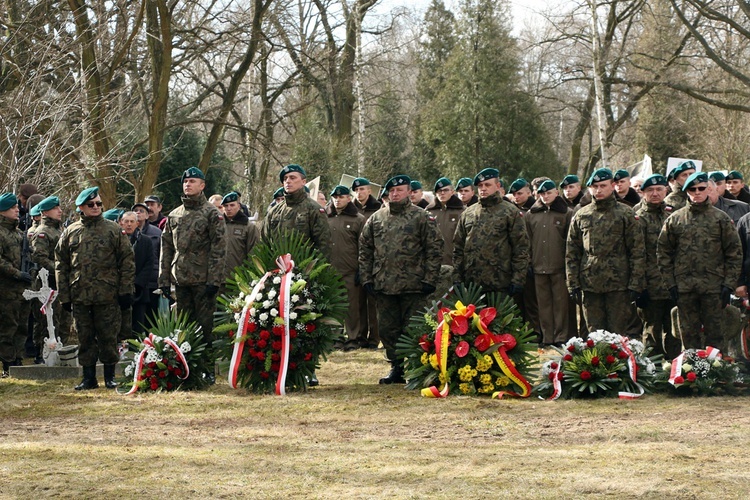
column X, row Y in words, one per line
column 548, row 230
column 677, row 198
column 699, row 250
column 94, row 262
column 447, row 218
column 491, row 246
column 400, row 249
column 346, row 226
column 651, row 218
column 43, row 241
column 11, row 241
column 299, row 212
column 605, row 250
column 242, row 235
column 193, row 244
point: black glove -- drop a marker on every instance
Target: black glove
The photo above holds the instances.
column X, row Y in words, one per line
column 642, row 300
column 357, row 280
column 212, row 290
column 674, row 294
column 166, row 292
column 514, row 289
column 427, row 288
column 726, row 293
column 370, row 289
column 25, row 277
column 125, row 301
column 67, row 306
column 576, row 296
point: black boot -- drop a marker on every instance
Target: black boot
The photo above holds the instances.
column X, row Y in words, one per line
column 6, row 372
column 89, row 379
column 395, row 377
column 312, row 381
column 109, row 377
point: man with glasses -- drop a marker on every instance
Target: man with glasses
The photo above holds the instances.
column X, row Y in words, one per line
column 447, row 209
column 95, row 271
column 700, row 259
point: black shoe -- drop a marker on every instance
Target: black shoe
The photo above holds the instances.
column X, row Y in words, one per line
column 18, row 362
column 351, row 346
column 6, row 367
column 89, row 379
column 109, row 377
column 39, row 360
column 313, row 381
column 395, row 377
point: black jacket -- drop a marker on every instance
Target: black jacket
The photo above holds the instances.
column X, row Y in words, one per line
column 144, row 265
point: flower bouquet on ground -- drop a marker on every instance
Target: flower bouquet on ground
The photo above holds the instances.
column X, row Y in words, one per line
column 280, row 316
column 169, row 358
column 604, row 365
column 703, row 372
column 476, row 344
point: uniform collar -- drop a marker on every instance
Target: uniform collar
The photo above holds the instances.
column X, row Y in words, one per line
column 491, row 200
column 606, row 203
column 8, row 223
column 399, row 207
column 194, row 201
column 700, row 207
column 90, row 221
column 296, row 197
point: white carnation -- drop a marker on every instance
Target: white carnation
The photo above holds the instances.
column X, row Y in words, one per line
column 274, row 312
column 292, row 315
column 266, row 304
column 277, row 280
column 242, row 295
column 237, row 316
column 185, row 347
column 129, row 370
column 152, row 356
column 295, row 298
column 263, row 316
column 309, row 301
column 271, row 294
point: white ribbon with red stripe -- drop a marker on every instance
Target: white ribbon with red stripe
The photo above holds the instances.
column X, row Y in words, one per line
column 713, row 353
column 632, row 369
column 556, row 383
column 239, row 346
column 286, row 265
column 676, row 369
column 149, row 343
column 50, row 299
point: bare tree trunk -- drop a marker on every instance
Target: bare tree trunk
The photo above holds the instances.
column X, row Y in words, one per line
column 598, row 70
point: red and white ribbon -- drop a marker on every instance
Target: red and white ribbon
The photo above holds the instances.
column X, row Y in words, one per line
column 556, row 383
column 50, row 299
column 632, row 369
column 286, row 265
column 676, row 370
column 140, row 360
column 239, row 345
column 713, row 353
column 744, row 341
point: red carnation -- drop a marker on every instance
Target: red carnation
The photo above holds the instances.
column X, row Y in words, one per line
column 252, row 327
column 691, row 377
column 170, row 385
column 230, row 334
column 595, row 361
column 613, row 347
column 483, row 342
column 701, row 354
column 560, row 375
column 278, row 330
column 162, row 373
column 261, row 356
column 310, row 327
column 612, row 375
column 264, row 335
column 152, row 365
column 611, row 359
column 264, row 375
column 149, row 373
column 249, row 342
column 276, row 345
column 154, row 386
column 292, row 333
column 262, row 344
column 275, row 357
column 585, row 375
column 308, row 356
column 679, row 380
column 551, row 375
column 178, row 372
column 622, row 354
column 462, row 349
column 568, row 357
column 154, row 380
column 571, row 348
column 292, row 365
column 275, row 367
column 249, row 366
column 589, row 343
column 509, row 341
column 554, row 365
column 164, row 360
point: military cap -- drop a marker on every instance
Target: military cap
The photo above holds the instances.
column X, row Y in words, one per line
column 485, row 174
column 279, row 193
column 682, row 167
column 35, row 212
column 142, row 205
column 398, row 180
column 734, row 175
column 463, row 182
column 154, row 198
column 621, row 174
column 291, row 168
column 7, row 200
column 654, row 180
column 230, row 197
column 86, row 195
column 360, row 181
column 192, row 173
column 48, row 203
column 695, row 178
column 546, row 186
column 517, row 184
column 569, row 179
column 342, row 190
column 113, row 214
column 601, row 174
column 442, row 182
column 717, row 176
column 414, row 185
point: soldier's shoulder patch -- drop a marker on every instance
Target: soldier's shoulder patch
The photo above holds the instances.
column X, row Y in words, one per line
column 41, row 235
column 636, row 217
column 431, row 217
column 221, row 217
column 668, row 208
column 122, row 231
column 322, row 210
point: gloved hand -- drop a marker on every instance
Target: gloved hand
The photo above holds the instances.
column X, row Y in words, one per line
column 726, row 292
column 674, row 294
column 166, row 292
column 67, row 306
column 642, row 300
column 514, row 289
column 370, row 289
column 427, row 288
column 212, row 290
column 125, row 301
column 576, row 296
column 25, row 277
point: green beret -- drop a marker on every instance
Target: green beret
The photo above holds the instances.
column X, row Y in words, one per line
column 291, row 168
column 517, row 184
column 279, row 193
column 599, row 175
column 113, row 214
column 734, row 175
column 546, row 186
column 230, row 197
column 342, row 190
column 463, row 182
column 48, row 203
column 192, row 173
column 684, row 166
column 399, row 180
column 360, row 181
column 695, row 178
column 717, row 176
column 414, row 185
column 35, row 212
column 570, row 179
column 485, row 174
column 621, row 174
column 7, row 200
column 654, row 180
column 86, row 195
column 442, row 182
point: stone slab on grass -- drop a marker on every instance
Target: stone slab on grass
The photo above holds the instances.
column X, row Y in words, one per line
column 44, row 372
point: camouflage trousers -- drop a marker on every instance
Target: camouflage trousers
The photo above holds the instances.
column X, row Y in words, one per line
column 199, row 307
column 25, row 328
column 356, row 315
column 700, row 309
column 657, row 328
column 394, row 312
column 611, row 311
column 98, row 326
column 553, row 301
column 11, row 336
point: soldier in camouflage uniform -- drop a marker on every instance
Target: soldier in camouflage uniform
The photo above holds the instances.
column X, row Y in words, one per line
column 12, row 282
column 368, row 205
column 299, row 212
column 242, row 235
column 491, row 246
column 700, row 259
column 678, row 198
column 193, row 248
column 604, row 259
column 399, row 260
column 95, row 271
column 447, row 209
column 655, row 305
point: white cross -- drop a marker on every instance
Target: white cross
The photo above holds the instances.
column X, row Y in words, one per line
column 46, row 296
